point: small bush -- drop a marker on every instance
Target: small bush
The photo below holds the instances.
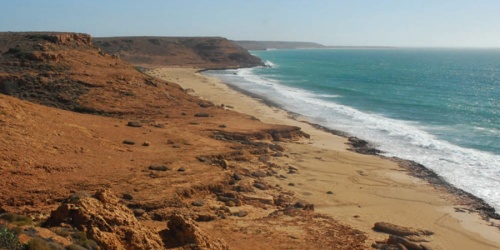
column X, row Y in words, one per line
column 41, row 244
column 37, row 244
column 90, row 245
column 61, row 231
column 9, row 87
column 75, row 247
column 17, row 230
column 56, row 246
column 9, row 240
column 21, row 54
column 19, row 220
column 105, row 44
column 13, row 51
column 80, row 238
column 38, row 37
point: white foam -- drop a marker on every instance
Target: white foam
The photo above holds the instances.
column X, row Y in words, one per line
column 328, row 96
column 270, row 64
column 472, row 170
column 491, row 131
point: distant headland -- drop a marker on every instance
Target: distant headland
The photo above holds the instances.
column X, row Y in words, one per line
column 264, row 45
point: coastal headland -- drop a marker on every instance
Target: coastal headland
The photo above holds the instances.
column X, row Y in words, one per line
column 98, row 153
column 265, row 45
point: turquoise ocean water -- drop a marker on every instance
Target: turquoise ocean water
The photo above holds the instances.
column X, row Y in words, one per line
column 438, row 107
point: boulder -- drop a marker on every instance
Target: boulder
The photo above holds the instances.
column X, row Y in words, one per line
column 264, row 199
column 362, row 146
column 237, row 176
column 259, row 173
column 184, row 232
column 129, row 142
column 260, row 186
column 198, row 203
column 134, row 124
column 202, row 115
column 158, row 167
column 395, row 240
column 393, row 229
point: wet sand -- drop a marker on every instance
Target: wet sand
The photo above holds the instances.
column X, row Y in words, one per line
column 366, row 189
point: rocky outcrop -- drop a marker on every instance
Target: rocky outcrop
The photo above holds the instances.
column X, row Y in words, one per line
column 277, row 133
column 393, row 229
column 402, row 237
column 183, row 232
column 19, row 39
column 362, row 146
column 106, row 221
column 62, row 38
column 82, row 38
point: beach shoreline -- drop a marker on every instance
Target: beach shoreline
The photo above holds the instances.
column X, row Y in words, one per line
column 360, row 145
column 366, row 188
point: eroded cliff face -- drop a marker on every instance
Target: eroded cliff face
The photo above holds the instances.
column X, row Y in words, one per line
column 203, row 52
column 64, row 38
column 17, row 38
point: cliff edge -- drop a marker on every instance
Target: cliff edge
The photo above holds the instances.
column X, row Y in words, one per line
column 202, row 52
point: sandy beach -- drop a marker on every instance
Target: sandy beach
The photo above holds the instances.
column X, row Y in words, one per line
column 356, row 189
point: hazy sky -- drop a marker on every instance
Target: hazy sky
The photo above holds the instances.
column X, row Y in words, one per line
column 422, row 23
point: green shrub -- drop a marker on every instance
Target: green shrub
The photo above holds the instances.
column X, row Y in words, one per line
column 19, row 220
column 9, row 240
column 41, row 244
column 37, row 244
column 56, row 246
column 38, row 37
column 61, row 231
column 17, row 230
column 13, row 51
column 80, row 238
column 75, row 247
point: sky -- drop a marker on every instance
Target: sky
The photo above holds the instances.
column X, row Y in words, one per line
column 402, row 23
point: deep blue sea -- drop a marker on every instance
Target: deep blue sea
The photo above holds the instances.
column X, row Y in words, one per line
column 438, row 107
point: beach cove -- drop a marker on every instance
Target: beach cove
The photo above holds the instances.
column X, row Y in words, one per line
column 366, row 189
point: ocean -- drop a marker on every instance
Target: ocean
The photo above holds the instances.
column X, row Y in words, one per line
column 438, row 107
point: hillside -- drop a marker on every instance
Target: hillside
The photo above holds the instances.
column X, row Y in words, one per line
column 95, row 153
column 203, row 52
column 65, row 71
